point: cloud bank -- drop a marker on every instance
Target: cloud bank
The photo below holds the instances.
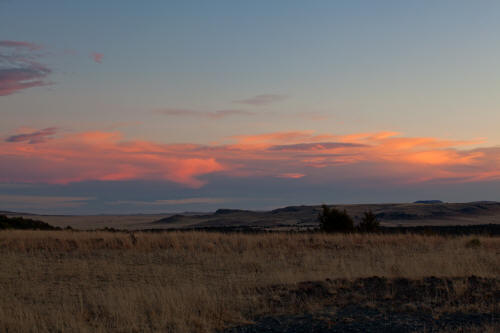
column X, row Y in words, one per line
column 293, row 156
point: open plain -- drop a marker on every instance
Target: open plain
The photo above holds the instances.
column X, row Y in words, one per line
column 86, row 281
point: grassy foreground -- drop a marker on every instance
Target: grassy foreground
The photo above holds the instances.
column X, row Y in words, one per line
column 202, row 282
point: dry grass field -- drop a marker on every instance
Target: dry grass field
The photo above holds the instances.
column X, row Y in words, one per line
column 64, row 281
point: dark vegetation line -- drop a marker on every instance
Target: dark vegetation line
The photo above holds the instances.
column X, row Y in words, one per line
column 455, row 230
column 331, row 220
column 334, row 220
column 24, row 224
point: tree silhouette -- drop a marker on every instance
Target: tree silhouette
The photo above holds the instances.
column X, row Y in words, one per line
column 334, row 220
column 369, row 223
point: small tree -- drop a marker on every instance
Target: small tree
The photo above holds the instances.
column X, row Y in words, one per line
column 369, row 223
column 334, row 220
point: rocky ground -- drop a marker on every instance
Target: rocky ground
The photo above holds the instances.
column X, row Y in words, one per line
column 384, row 305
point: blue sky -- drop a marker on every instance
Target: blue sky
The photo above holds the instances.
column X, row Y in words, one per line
column 183, row 81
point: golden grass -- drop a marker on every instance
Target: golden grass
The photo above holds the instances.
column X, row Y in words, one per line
column 199, row 282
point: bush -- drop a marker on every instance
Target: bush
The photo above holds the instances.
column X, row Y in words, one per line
column 334, row 220
column 369, row 223
column 25, row 224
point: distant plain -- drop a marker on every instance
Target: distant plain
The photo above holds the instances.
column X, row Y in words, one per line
column 288, row 218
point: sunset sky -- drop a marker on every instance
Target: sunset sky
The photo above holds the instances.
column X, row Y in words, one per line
column 169, row 106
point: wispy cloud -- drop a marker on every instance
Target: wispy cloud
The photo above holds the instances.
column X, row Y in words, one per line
column 34, row 137
column 16, row 79
column 291, row 175
column 281, row 137
column 97, row 57
column 19, row 68
column 317, row 116
column 263, row 99
column 18, row 44
column 168, row 202
column 316, row 146
column 203, row 114
column 34, row 201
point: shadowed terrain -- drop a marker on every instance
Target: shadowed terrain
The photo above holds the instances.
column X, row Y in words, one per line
column 304, row 217
column 292, row 217
column 382, row 305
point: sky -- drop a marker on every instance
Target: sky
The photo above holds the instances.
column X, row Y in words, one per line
column 169, row 106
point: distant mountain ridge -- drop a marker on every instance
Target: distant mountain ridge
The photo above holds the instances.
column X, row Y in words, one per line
column 428, row 202
column 9, row 213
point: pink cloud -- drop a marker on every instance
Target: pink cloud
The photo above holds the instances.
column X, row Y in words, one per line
column 375, row 155
column 108, row 156
column 19, row 69
column 18, row 44
column 99, row 156
column 291, row 175
column 97, row 57
column 17, row 79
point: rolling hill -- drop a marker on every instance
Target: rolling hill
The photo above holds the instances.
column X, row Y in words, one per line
column 304, row 217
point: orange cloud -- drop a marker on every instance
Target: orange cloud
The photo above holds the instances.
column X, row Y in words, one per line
column 413, row 159
column 99, row 156
column 291, row 175
column 107, row 156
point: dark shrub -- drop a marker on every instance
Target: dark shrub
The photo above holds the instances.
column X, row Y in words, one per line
column 22, row 223
column 369, row 223
column 334, row 220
